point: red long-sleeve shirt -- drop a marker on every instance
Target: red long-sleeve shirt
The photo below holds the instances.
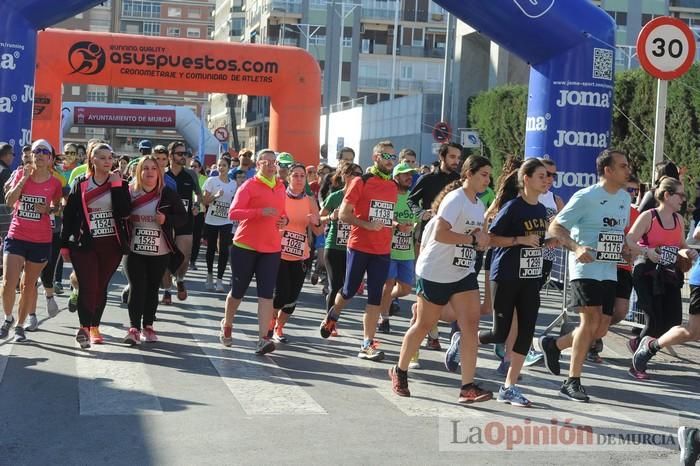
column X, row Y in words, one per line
column 255, row 231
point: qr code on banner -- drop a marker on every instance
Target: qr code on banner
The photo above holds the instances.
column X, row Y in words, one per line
column 602, row 64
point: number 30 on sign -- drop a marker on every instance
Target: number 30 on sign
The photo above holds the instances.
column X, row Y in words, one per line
column 666, row 48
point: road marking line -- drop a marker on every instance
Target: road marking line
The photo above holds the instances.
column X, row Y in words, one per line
column 259, row 385
column 113, row 381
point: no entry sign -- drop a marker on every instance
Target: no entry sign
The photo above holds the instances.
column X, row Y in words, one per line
column 666, row 48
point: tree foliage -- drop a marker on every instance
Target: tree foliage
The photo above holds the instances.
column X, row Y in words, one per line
column 499, row 116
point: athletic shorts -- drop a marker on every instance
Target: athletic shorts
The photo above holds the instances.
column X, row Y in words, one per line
column 402, row 270
column 440, row 293
column 187, row 228
column 694, row 300
column 245, row 263
column 624, row 284
column 377, row 268
column 32, row 252
column 586, row 292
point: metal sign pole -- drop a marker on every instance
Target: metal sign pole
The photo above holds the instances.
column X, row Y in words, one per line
column 659, row 123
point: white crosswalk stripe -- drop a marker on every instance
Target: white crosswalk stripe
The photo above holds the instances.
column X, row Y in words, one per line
column 113, row 380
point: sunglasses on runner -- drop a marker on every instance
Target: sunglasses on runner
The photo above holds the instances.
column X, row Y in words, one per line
column 39, row 151
column 387, row 156
column 633, row 190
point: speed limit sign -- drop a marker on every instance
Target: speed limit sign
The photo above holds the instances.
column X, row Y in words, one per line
column 666, row 48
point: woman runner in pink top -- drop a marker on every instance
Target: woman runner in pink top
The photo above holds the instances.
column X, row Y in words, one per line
column 302, row 212
column 34, row 195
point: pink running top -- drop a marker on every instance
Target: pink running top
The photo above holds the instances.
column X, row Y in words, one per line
column 28, row 224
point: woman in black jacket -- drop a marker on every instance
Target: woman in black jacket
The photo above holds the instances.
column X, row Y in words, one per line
column 94, row 237
column 157, row 211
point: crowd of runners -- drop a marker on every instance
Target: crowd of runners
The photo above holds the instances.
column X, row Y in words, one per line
column 385, row 231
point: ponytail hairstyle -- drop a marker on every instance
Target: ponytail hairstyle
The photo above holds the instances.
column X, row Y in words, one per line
column 473, row 164
column 507, row 186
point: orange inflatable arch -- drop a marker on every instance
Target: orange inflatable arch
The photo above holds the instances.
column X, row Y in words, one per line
column 290, row 76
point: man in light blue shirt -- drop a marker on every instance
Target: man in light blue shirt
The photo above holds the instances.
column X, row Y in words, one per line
column 591, row 226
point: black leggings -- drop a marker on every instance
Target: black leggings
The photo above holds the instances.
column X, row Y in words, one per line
column 218, row 235
column 335, row 267
column 47, row 273
column 290, row 279
column 521, row 296
column 661, row 304
column 197, row 236
column 144, row 274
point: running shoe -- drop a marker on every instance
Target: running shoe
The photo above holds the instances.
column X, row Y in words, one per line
column 472, row 393
column 314, row 279
column 225, row 335
column 690, row 450
column 192, row 266
column 639, row 375
column 181, row 291
column 82, row 338
column 384, row 326
column 96, row 337
column 133, row 337
column 533, row 357
column 643, row 354
column 209, row 282
column 399, row 381
column 6, row 326
column 370, row 352
column 499, row 349
column 327, row 326
column 51, row 306
column 149, row 335
column 415, row 361
column 167, row 299
column 73, row 301
column 594, row 356
column 58, row 288
column 452, row 353
column 219, row 286
column 264, row 346
column 334, row 332
column 32, row 323
column 394, row 308
column 551, row 354
column 632, row 344
column 278, row 336
column 125, row 295
column 573, row 390
column 433, row 344
column 503, row 368
column 512, row 395
column 598, row 346
column 20, row 337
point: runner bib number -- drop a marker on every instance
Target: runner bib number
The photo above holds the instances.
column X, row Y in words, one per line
column 668, row 255
column 293, row 243
column 341, row 237
column 609, row 247
column 381, row 211
column 219, row 209
column 530, row 263
column 102, row 224
column 401, row 241
column 27, row 206
column 146, row 239
column 465, row 256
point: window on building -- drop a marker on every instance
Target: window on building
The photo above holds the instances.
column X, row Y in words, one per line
column 413, row 37
column 141, row 8
column 96, row 93
column 174, row 12
column 194, row 33
column 75, row 90
column 406, row 71
column 173, row 32
column 194, row 13
column 151, row 29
